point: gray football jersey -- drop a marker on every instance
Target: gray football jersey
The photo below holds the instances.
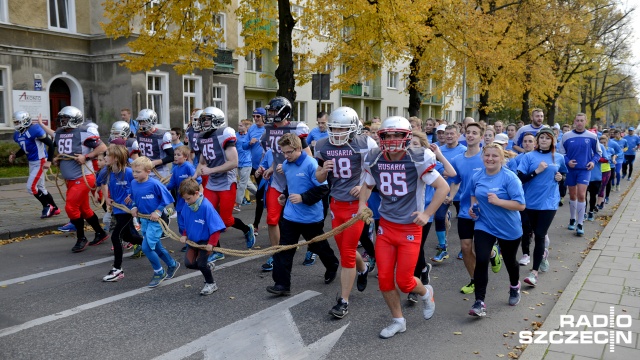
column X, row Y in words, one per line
column 270, row 139
column 401, row 183
column 71, row 142
column 212, row 145
column 153, row 145
column 347, row 164
column 132, row 146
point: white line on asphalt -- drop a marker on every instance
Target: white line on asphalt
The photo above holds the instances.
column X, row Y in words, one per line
column 58, row 271
column 78, row 309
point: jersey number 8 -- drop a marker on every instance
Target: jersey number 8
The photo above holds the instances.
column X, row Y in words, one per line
column 388, row 180
column 342, row 168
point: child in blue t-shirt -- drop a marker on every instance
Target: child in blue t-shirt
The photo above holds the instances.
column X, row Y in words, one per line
column 182, row 169
column 151, row 197
column 202, row 225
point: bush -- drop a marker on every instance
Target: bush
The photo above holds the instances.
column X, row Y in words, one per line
column 8, row 147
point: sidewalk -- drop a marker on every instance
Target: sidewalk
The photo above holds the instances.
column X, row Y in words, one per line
column 21, row 211
column 609, row 278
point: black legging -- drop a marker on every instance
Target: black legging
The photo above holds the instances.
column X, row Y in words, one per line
column 197, row 259
column 540, row 221
column 628, row 161
column 610, row 182
column 259, row 207
column 526, row 233
column 422, row 262
column 593, row 190
column 124, row 230
column 366, row 241
column 483, row 242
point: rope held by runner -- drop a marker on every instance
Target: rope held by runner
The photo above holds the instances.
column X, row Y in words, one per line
column 365, row 216
column 164, row 180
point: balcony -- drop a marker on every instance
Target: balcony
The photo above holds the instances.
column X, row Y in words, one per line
column 362, row 91
column 258, row 25
column 223, row 61
column 260, row 81
column 429, row 99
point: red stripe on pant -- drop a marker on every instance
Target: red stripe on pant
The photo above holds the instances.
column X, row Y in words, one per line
column 34, row 184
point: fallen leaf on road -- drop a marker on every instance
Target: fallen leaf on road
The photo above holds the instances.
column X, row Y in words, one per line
column 457, row 333
column 531, row 308
column 232, row 297
column 538, row 315
column 171, row 251
column 476, row 352
column 500, row 355
column 21, row 283
column 3, row 286
column 505, row 334
column 187, row 285
column 513, row 355
column 525, row 292
column 466, row 299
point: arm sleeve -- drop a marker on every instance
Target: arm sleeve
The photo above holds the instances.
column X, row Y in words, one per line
column 20, row 153
column 315, row 194
column 50, row 148
column 168, row 156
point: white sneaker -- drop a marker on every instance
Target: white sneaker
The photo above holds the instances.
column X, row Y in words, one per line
column 429, row 305
column 532, row 279
column 524, row 260
column 114, row 275
column 209, row 289
column 544, row 265
column 174, row 216
column 395, row 327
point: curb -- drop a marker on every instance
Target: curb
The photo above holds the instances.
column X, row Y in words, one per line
column 562, row 306
column 13, row 180
column 7, row 235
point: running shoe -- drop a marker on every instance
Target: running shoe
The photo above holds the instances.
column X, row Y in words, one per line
column 601, row 205
column 127, row 245
column 429, row 305
column 395, row 327
column 330, row 275
column 278, row 290
column 590, row 216
column 524, row 260
column 47, row 211
column 209, row 289
column 361, row 281
column 629, row 178
column 157, row 279
column 561, row 202
column 184, row 249
column 211, row 265
column 56, row 211
column 496, row 261
column 69, row 227
column 171, row 270
column 572, row 224
column 114, row 275
column 174, row 216
column 532, row 279
column 412, row 298
column 606, row 200
column 617, row 188
column 250, row 237
column 438, row 247
column 236, row 208
column 80, row 245
column 440, row 256
column 340, row 310
column 215, row 256
column 309, row 259
column 478, row 309
column 460, row 255
column 580, row 230
column 137, row 252
column 99, row 239
column 544, row 265
column 372, row 263
column 514, row 295
column 469, row 288
column 424, row 276
column 268, row 266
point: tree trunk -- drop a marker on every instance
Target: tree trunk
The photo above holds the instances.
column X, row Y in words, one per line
column 592, row 118
column 524, row 116
column 583, row 100
column 483, row 105
column 284, row 71
column 550, row 107
column 415, row 96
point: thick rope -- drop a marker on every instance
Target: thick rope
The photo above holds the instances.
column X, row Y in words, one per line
column 164, row 180
column 66, row 157
column 365, row 216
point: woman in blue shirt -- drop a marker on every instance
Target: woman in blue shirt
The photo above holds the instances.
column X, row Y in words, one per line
column 496, row 199
column 540, row 171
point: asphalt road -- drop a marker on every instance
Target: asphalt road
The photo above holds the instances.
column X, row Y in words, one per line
column 54, row 305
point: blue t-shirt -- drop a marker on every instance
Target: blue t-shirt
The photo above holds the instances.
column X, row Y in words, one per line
column 632, row 143
column 178, row 174
column 450, row 154
column 429, row 190
column 201, row 224
column 301, row 176
column 465, row 168
column 541, row 192
column 255, row 132
column 150, row 195
column 623, row 144
column 29, row 143
column 244, row 153
column 616, row 149
column 581, row 147
column 527, row 129
column 510, row 145
column 496, row 220
column 596, row 172
column 175, row 146
column 266, row 164
column 315, row 135
column 119, row 186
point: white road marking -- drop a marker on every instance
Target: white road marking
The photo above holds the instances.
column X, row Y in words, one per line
column 78, row 309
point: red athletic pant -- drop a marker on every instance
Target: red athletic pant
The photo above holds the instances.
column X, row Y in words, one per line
column 397, row 248
column 274, row 209
column 223, row 202
column 341, row 212
column 77, row 205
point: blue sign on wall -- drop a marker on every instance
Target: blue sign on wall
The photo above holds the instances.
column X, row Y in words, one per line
column 37, row 84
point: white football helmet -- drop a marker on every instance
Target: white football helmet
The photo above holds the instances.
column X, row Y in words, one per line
column 212, row 118
column 147, row 119
column 195, row 121
column 360, row 127
column 342, row 125
column 120, row 129
column 70, row 117
column 21, row 120
column 395, row 125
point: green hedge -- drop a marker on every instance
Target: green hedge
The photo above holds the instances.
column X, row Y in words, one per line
column 6, row 148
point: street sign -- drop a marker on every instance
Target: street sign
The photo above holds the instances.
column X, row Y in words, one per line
column 37, row 84
column 320, row 84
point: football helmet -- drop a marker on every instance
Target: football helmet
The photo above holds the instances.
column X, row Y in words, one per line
column 211, row 118
column 195, row 121
column 21, row 120
column 279, row 109
column 70, row 117
column 147, row 119
column 395, row 125
column 120, row 129
column 345, row 119
column 360, row 127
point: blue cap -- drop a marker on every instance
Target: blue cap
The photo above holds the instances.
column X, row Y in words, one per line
column 260, row 111
column 631, row 128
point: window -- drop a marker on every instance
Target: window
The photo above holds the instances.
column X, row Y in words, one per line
column 367, row 113
column 219, row 97
column 158, row 96
column 62, row 15
column 298, row 62
column 300, row 111
column 458, row 116
column 297, row 12
column 405, row 112
column 392, row 79
column 254, row 61
column 221, row 21
column 459, row 90
column 5, row 116
column 392, row 111
column 447, row 116
column 344, row 69
column 328, row 69
column 326, row 107
column 4, row 10
column 252, row 105
column 191, row 96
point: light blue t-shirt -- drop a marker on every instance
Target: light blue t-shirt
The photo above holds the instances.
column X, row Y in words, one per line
column 301, row 176
column 541, row 192
column 255, row 132
column 617, row 150
column 465, row 168
column 450, row 154
column 596, row 172
column 632, row 142
column 496, row 220
column 315, row 134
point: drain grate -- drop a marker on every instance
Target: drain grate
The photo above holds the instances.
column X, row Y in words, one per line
column 630, row 290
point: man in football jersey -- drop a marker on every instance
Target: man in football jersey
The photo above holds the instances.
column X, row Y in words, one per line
column 121, row 130
column 340, row 159
column 32, row 140
column 401, row 175
column 74, row 138
column 193, row 130
column 278, row 123
column 154, row 143
column 219, row 161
